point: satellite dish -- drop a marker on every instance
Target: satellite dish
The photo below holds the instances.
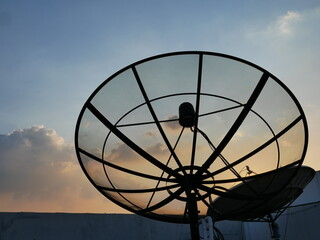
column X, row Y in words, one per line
column 249, row 207
column 165, row 136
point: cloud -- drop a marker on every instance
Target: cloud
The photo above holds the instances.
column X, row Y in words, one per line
column 123, row 152
column 32, row 157
column 173, row 125
column 291, row 25
column 150, row 134
column 157, row 149
column 282, row 28
column 40, row 172
column 285, row 23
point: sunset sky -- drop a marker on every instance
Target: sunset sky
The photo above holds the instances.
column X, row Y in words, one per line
column 54, row 54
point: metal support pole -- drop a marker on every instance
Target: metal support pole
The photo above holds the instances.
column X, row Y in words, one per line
column 274, row 228
column 193, row 215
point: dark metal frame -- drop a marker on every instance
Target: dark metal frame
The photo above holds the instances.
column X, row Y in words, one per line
column 180, row 180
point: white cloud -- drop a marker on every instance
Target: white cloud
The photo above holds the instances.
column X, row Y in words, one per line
column 282, row 28
column 40, row 172
column 285, row 23
column 291, row 25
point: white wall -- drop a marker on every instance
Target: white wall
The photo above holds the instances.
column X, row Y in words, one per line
column 86, row 226
column 35, row 226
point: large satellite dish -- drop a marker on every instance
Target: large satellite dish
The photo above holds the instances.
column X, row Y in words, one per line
column 166, row 136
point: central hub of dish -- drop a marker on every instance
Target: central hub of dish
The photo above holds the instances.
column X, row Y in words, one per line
column 189, row 182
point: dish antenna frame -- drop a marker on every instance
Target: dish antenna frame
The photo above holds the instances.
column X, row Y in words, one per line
column 185, row 182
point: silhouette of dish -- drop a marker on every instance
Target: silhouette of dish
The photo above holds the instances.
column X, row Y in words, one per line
column 248, row 207
column 185, row 124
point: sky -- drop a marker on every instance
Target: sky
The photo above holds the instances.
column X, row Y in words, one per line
column 54, row 54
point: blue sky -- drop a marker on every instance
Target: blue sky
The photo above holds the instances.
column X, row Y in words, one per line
column 53, row 54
